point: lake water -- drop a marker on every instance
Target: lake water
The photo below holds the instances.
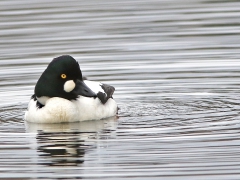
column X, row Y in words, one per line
column 176, row 70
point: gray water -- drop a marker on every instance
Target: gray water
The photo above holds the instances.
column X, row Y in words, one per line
column 176, row 69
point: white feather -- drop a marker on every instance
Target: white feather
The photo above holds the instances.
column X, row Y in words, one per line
column 43, row 99
column 94, row 86
column 58, row 110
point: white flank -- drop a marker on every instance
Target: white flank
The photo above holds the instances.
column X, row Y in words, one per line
column 59, row 110
column 69, row 86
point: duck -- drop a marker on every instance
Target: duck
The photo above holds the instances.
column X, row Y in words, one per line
column 62, row 95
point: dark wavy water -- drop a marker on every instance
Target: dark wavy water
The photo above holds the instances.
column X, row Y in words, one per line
column 176, row 69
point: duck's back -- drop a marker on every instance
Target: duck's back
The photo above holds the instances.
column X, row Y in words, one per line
column 104, row 91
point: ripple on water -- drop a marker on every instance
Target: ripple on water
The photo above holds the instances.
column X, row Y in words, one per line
column 155, row 137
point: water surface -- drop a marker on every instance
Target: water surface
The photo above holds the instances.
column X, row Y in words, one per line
column 175, row 67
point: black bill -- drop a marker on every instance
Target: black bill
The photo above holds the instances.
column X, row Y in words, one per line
column 83, row 90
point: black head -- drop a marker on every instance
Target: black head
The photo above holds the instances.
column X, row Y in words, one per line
column 62, row 78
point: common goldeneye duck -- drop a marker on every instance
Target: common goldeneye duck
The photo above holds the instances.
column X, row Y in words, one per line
column 61, row 95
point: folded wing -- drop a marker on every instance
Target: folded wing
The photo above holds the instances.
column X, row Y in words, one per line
column 103, row 91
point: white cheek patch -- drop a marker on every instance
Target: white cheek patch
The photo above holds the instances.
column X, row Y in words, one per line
column 69, row 86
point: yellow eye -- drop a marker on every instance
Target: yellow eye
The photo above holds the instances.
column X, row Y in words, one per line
column 63, row 76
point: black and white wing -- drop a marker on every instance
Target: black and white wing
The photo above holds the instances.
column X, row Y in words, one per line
column 103, row 91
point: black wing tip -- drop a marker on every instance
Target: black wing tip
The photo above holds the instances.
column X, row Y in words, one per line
column 102, row 96
column 109, row 90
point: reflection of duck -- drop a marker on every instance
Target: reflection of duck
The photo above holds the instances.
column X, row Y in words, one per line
column 61, row 95
column 65, row 144
column 62, row 149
